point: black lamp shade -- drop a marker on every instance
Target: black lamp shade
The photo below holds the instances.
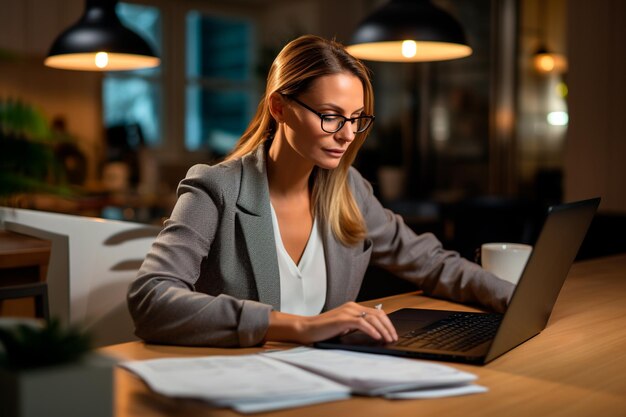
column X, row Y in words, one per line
column 409, row 31
column 100, row 42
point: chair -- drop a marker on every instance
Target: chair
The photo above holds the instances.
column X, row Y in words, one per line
column 92, row 262
column 38, row 290
column 23, row 270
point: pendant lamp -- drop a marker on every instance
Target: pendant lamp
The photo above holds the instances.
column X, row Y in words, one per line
column 545, row 60
column 409, row 31
column 100, row 42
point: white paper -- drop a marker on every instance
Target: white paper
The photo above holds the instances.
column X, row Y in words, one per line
column 371, row 374
column 296, row 377
column 248, row 383
column 276, row 404
column 437, row 392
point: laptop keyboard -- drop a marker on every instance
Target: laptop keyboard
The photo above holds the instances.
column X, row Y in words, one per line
column 458, row 332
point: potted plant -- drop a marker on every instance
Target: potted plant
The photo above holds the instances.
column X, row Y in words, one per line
column 27, row 159
column 49, row 370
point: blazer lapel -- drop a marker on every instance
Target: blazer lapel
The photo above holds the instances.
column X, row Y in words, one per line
column 345, row 269
column 338, row 270
column 255, row 220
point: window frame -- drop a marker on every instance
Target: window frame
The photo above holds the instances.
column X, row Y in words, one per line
column 154, row 78
column 218, row 84
column 174, row 72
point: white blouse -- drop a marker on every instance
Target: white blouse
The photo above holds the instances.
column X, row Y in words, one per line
column 302, row 286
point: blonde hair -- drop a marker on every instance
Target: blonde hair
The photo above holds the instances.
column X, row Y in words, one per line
column 298, row 64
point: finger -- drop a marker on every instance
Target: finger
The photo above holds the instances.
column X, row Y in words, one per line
column 366, row 327
column 356, row 320
column 377, row 319
column 389, row 330
column 375, row 322
column 388, row 325
column 378, row 323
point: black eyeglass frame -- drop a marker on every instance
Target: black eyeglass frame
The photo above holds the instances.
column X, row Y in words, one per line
column 342, row 124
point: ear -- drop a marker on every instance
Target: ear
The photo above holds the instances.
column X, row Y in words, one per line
column 277, row 107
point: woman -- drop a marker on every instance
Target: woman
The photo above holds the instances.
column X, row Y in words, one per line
column 273, row 243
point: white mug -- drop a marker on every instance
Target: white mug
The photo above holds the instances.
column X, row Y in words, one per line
column 505, row 260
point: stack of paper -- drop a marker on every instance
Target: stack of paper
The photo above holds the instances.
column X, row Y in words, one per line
column 374, row 375
column 247, row 383
column 300, row 376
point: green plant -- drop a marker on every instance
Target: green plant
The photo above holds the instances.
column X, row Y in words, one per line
column 27, row 160
column 28, row 346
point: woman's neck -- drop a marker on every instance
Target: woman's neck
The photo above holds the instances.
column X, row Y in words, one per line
column 287, row 173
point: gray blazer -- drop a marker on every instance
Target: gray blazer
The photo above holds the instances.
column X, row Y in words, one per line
column 211, row 277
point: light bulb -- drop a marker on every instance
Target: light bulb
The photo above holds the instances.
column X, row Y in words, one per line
column 558, row 118
column 102, row 59
column 409, row 49
column 545, row 63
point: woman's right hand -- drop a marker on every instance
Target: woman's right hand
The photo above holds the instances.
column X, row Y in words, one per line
column 339, row 321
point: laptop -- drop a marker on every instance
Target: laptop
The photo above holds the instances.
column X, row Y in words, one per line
column 478, row 338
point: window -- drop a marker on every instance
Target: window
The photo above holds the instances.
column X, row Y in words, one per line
column 220, row 94
column 219, row 74
column 133, row 98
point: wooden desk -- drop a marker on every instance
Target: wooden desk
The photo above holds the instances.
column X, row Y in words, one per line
column 575, row 367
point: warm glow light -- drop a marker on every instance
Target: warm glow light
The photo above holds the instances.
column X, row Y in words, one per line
column 545, row 63
column 393, row 51
column 409, row 49
column 558, row 118
column 91, row 62
column 549, row 62
column 102, row 59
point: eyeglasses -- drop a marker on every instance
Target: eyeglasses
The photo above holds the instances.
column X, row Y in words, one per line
column 332, row 123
